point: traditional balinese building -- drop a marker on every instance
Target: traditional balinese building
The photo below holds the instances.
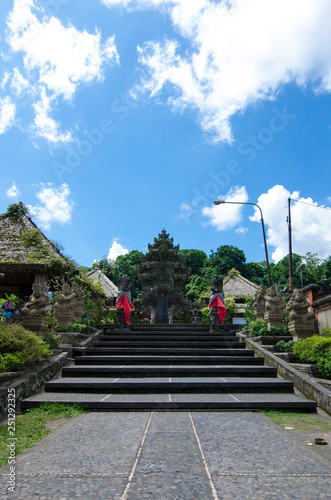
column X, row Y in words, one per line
column 319, row 297
column 238, row 287
column 26, row 255
column 110, row 290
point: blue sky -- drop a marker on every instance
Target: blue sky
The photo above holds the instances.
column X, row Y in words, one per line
column 121, row 117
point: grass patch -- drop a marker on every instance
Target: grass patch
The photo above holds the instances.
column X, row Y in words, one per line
column 31, row 427
column 298, row 421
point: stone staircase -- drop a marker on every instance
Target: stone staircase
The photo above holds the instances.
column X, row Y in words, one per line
column 170, row 367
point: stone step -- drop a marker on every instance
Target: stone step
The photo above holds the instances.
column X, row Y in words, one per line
column 170, row 368
column 166, row 385
column 176, row 402
column 248, row 359
column 172, row 343
column 159, row 351
column 133, row 337
column 162, row 327
column 168, row 371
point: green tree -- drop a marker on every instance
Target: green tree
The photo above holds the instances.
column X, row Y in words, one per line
column 226, row 258
column 195, row 259
column 326, row 268
column 195, row 287
column 255, row 272
column 280, row 272
column 123, row 264
column 313, row 270
column 126, row 264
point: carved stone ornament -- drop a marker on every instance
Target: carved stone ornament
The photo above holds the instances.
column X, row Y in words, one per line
column 78, row 302
column 301, row 323
column 273, row 308
column 259, row 302
column 65, row 306
column 34, row 311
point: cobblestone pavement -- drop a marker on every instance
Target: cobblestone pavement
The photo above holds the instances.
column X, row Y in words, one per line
column 172, row 456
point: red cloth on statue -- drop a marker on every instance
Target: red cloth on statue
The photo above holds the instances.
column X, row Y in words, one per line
column 221, row 310
column 123, row 302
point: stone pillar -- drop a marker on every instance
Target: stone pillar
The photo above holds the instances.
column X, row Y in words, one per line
column 274, row 318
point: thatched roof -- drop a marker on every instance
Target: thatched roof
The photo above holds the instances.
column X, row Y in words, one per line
column 23, row 245
column 236, row 286
column 108, row 286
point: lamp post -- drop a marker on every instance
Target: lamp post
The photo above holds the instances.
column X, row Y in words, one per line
column 221, row 202
column 290, row 258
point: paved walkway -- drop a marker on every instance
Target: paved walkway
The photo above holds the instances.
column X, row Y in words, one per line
column 173, row 456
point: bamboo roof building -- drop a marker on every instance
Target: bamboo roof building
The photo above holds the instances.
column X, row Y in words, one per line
column 26, row 255
column 238, row 287
column 108, row 286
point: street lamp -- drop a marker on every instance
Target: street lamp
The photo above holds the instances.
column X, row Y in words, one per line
column 221, row 202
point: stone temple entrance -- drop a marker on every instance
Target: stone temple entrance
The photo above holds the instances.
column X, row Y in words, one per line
column 162, row 304
column 162, row 274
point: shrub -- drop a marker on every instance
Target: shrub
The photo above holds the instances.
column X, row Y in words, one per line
column 19, row 346
column 52, row 341
column 324, row 364
column 51, row 320
column 283, row 330
column 256, row 326
column 249, row 310
column 285, row 346
column 11, row 362
column 111, row 317
column 205, row 315
column 263, row 331
column 310, row 350
column 75, row 328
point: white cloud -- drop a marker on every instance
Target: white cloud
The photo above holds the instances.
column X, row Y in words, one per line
column 56, row 205
column 13, row 191
column 57, row 60
column 242, row 52
column 115, row 250
column 4, row 80
column 18, row 82
column 311, row 225
column 44, row 126
column 225, row 216
column 185, row 211
column 241, row 230
column 7, row 114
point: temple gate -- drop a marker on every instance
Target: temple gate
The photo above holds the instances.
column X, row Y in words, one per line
column 162, row 274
